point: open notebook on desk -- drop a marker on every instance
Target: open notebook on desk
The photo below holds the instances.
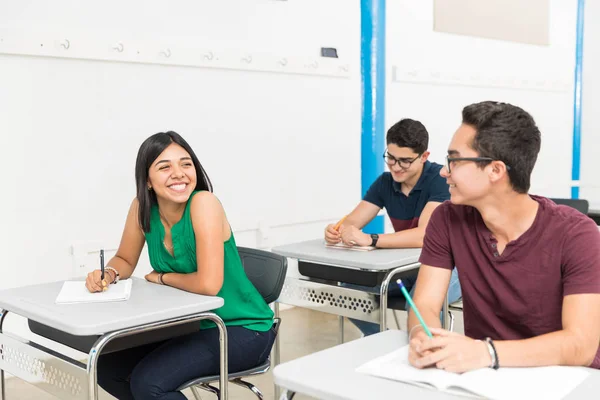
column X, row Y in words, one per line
column 546, row 383
column 76, row 292
column 343, row 246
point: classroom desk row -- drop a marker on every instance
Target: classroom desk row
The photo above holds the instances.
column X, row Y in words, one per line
column 158, row 308
column 345, row 283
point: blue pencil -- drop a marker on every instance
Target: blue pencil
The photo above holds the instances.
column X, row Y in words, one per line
column 414, row 307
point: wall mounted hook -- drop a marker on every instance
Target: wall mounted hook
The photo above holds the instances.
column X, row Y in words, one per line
column 166, row 53
column 65, row 44
column 283, row 62
column 119, row 47
column 247, row 59
column 209, row 56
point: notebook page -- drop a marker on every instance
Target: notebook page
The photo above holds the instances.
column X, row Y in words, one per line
column 395, row 366
column 76, row 292
column 548, row 383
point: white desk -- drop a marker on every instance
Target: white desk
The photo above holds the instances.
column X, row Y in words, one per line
column 150, row 307
column 331, row 374
column 328, row 267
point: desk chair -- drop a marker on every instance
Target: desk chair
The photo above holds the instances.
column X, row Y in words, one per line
column 579, row 204
column 267, row 272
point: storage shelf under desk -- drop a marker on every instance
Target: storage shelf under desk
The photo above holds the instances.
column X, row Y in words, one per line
column 331, row 298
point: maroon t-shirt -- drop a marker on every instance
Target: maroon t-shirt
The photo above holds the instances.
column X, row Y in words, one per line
column 518, row 294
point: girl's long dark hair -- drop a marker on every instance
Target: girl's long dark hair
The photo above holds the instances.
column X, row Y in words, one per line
column 148, row 152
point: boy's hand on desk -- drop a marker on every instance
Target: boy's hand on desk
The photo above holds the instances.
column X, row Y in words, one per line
column 331, row 235
column 416, row 340
column 94, row 283
column 452, row 352
column 352, row 236
column 152, row 277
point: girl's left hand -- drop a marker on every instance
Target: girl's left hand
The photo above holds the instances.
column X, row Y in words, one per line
column 152, row 277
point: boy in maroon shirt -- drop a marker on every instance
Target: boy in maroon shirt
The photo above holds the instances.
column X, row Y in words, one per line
column 529, row 269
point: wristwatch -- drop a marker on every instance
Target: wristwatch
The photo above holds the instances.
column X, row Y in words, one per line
column 374, row 239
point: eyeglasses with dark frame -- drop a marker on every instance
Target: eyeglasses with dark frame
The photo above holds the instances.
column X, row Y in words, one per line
column 450, row 160
column 404, row 163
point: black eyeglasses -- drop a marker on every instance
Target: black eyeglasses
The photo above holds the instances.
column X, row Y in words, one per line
column 450, row 160
column 404, row 163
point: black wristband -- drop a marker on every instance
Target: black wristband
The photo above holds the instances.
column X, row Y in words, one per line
column 496, row 361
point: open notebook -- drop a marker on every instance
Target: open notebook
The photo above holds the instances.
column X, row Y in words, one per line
column 343, row 246
column 546, row 383
column 76, row 292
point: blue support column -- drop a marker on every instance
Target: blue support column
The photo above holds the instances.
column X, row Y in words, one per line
column 372, row 65
column 575, row 174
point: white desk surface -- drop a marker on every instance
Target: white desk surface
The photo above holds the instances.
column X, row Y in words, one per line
column 148, row 303
column 331, row 374
column 377, row 260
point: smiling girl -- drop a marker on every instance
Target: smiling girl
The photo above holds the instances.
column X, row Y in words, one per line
column 191, row 247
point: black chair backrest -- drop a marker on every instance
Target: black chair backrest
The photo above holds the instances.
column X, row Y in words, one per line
column 580, row 205
column 265, row 270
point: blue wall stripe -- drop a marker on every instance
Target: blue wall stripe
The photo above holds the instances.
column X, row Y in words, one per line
column 577, row 102
column 372, row 65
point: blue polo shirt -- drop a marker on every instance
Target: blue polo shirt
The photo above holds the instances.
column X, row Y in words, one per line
column 404, row 211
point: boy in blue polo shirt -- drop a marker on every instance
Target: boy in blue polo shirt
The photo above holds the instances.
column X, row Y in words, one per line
column 409, row 192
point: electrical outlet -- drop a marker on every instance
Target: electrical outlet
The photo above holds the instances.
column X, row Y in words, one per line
column 263, row 234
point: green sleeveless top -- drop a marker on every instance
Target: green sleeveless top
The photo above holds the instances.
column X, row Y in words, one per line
column 244, row 306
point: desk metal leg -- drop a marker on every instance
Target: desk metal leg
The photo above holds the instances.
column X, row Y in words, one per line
column 276, row 350
column 223, row 380
column 383, row 292
column 341, row 329
column 451, row 319
column 2, row 385
column 2, row 381
column 445, row 320
column 105, row 339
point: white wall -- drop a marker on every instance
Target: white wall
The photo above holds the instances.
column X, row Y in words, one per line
column 437, row 74
column 271, row 143
column 281, row 149
column 590, row 125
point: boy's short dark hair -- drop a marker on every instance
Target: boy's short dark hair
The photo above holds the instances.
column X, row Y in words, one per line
column 506, row 133
column 409, row 133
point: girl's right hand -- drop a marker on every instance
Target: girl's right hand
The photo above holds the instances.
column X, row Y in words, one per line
column 94, row 284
